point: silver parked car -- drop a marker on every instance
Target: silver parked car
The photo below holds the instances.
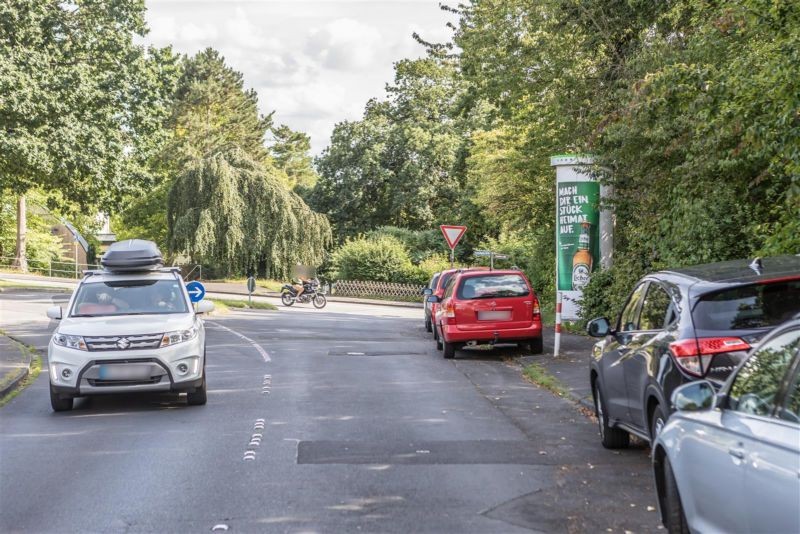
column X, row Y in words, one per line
column 730, row 461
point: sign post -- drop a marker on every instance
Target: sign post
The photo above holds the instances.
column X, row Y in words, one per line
column 452, row 234
column 251, row 286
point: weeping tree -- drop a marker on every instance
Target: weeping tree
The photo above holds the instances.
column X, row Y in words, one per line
column 234, row 212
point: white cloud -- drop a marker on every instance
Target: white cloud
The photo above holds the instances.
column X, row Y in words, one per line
column 344, row 44
column 314, row 63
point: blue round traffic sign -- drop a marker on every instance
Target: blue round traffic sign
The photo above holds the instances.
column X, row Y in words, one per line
column 196, row 291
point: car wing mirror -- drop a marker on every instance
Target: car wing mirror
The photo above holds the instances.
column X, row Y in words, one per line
column 54, row 312
column 599, row 327
column 433, row 299
column 427, row 291
column 204, row 306
column 695, row 397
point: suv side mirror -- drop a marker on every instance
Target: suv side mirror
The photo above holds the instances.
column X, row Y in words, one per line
column 695, row 397
column 599, row 327
column 205, row 306
column 433, row 299
column 427, row 291
column 54, row 312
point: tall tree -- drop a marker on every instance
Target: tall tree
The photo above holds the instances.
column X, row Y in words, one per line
column 227, row 210
column 229, row 204
column 394, row 167
column 75, row 116
column 213, row 112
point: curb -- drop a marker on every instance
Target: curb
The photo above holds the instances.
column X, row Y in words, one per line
column 584, row 402
column 22, row 374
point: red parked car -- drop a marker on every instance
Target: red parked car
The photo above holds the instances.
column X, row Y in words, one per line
column 480, row 307
column 438, row 283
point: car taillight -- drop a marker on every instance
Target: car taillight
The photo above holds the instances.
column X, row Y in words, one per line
column 694, row 355
column 450, row 310
column 536, row 311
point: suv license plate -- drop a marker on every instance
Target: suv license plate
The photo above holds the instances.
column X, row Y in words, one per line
column 124, row 372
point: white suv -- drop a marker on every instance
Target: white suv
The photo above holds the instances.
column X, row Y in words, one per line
column 130, row 327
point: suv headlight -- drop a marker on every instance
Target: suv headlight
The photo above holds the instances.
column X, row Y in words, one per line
column 71, row 342
column 178, row 336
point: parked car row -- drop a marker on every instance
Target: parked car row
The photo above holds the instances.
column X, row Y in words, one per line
column 704, row 364
column 465, row 307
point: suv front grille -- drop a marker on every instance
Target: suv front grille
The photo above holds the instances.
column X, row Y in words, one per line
column 111, row 343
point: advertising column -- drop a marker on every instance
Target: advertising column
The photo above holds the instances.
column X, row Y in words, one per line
column 577, row 229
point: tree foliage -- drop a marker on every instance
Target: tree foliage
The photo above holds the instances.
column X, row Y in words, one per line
column 394, row 166
column 229, row 211
column 229, row 203
column 81, row 107
column 291, row 152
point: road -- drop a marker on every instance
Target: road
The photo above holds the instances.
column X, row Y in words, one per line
column 340, row 420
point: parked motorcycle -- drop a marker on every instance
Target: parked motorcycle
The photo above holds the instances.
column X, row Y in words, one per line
column 311, row 293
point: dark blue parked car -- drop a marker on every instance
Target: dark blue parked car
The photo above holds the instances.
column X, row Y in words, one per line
column 679, row 326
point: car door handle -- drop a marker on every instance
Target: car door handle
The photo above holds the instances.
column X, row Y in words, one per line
column 737, row 453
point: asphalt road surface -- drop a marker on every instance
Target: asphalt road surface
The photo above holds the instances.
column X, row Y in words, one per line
column 338, row 420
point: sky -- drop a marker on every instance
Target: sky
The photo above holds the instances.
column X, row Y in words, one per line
column 313, row 62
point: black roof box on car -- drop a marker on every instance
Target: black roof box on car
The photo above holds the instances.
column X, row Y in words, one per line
column 132, row 255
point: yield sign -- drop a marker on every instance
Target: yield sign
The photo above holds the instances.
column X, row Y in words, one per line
column 452, row 234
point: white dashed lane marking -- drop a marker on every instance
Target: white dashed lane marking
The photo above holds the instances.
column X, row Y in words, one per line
column 264, row 354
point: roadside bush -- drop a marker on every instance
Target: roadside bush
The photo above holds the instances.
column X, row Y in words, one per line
column 382, row 259
column 608, row 289
column 421, row 244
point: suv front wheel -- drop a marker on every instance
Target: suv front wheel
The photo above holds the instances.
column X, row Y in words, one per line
column 60, row 404
column 198, row 396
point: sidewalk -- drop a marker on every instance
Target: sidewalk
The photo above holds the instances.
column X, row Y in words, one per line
column 571, row 367
column 14, row 364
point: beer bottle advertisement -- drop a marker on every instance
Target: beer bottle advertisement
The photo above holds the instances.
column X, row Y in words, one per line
column 577, row 232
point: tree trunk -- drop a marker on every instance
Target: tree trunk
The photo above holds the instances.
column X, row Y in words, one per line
column 21, row 261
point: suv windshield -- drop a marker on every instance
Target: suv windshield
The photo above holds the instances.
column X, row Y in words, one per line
column 493, row 286
column 755, row 306
column 129, row 297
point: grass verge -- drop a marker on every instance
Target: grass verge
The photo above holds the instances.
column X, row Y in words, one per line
column 33, row 371
column 269, row 285
column 537, row 374
column 226, row 304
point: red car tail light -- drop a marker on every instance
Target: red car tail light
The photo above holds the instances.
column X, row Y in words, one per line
column 536, row 311
column 694, row 355
column 450, row 310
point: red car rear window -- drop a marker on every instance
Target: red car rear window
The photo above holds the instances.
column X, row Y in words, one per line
column 492, row 286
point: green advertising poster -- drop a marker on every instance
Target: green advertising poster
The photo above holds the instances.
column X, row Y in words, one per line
column 577, row 233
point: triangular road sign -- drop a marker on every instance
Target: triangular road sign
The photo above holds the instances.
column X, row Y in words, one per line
column 452, row 234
